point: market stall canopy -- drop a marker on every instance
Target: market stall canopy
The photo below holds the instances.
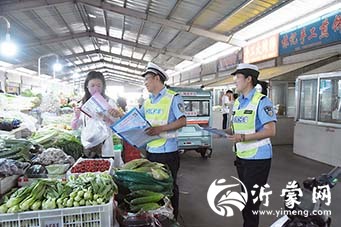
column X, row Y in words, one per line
column 292, row 71
column 222, row 77
column 284, row 72
column 331, row 67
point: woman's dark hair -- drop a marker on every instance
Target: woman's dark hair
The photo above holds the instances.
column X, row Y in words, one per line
column 235, row 96
column 229, row 91
column 255, row 81
column 252, row 73
column 264, row 86
column 93, row 75
column 253, row 78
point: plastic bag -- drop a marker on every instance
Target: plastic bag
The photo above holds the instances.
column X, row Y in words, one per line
column 108, row 148
column 9, row 167
column 27, row 121
column 53, row 156
column 94, row 133
column 150, row 218
column 36, row 171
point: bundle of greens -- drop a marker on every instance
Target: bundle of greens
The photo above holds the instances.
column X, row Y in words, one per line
column 58, row 138
column 85, row 190
column 91, row 188
column 39, row 195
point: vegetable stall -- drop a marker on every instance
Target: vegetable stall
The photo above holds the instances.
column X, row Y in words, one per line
column 46, row 178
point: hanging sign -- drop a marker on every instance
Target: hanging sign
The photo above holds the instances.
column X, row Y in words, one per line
column 261, row 50
column 324, row 31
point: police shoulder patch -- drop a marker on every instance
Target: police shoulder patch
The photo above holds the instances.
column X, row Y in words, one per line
column 269, row 110
column 181, row 107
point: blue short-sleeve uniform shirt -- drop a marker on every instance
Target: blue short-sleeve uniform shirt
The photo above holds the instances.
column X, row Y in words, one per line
column 265, row 114
column 176, row 111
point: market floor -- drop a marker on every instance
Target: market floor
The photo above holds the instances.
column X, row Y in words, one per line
column 196, row 175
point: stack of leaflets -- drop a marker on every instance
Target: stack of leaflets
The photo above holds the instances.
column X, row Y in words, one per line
column 131, row 127
column 96, row 105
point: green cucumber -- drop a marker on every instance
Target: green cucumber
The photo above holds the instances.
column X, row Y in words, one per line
column 140, row 177
column 142, row 193
column 153, row 187
column 145, row 207
column 147, row 199
column 135, row 163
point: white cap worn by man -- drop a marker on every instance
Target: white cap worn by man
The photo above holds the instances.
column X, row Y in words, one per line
column 153, row 68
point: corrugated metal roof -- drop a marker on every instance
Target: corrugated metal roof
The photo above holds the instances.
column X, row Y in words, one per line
column 215, row 12
column 164, row 31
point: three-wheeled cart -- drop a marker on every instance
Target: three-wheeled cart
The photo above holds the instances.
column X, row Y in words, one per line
column 198, row 110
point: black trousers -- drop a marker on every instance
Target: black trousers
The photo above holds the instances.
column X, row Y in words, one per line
column 252, row 172
column 224, row 120
column 171, row 159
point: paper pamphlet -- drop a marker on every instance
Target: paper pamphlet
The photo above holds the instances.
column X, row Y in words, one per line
column 215, row 131
column 95, row 105
column 131, row 127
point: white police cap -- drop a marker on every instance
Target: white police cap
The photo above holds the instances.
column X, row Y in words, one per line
column 247, row 69
column 153, row 68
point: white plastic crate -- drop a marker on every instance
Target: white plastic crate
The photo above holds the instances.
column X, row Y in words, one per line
column 87, row 216
column 68, row 173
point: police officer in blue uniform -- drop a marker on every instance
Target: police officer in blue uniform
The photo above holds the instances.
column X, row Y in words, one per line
column 253, row 124
column 164, row 109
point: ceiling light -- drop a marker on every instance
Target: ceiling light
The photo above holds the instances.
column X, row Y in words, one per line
column 57, row 67
column 8, row 48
